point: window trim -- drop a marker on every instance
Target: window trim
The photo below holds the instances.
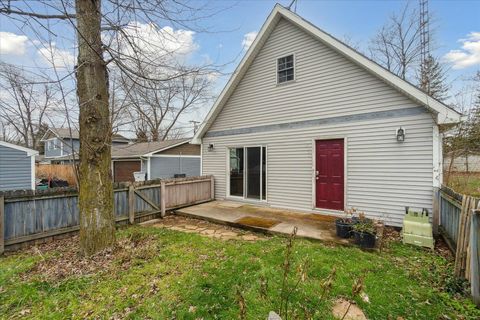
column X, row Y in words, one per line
column 294, row 69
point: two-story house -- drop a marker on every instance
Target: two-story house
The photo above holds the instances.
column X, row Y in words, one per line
column 62, row 144
column 307, row 123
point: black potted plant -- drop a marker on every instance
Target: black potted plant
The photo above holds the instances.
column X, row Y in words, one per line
column 364, row 232
column 344, row 225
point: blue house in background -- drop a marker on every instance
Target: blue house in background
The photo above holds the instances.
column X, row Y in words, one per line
column 62, row 145
column 17, row 167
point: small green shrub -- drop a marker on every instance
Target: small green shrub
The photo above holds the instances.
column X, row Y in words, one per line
column 457, row 286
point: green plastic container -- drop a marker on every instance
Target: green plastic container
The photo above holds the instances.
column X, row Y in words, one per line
column 42, row 187
column 417, row 229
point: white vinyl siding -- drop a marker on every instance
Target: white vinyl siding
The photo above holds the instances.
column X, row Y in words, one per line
column 382, row 175
column 326, row 84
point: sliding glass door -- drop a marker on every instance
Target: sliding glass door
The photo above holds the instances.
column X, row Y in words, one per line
column 253, row 172
column 236, row 172
column 248, row 172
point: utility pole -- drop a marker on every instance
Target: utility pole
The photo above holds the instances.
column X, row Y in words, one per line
column 195, row 125
column 294, row 4
column 424, row 44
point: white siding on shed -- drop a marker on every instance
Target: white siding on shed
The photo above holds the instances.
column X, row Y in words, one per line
column 383, row 176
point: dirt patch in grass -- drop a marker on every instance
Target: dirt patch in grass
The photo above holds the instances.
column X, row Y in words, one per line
column 257, row 222
column 344, row 309
column 66, row 260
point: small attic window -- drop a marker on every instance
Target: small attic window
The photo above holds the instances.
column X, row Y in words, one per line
column 285, row 69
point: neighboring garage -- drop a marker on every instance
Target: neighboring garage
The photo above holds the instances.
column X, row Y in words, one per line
column 123, row 169
column 156, row 160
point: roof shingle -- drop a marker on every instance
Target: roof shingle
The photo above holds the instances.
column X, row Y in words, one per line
column 142, row 148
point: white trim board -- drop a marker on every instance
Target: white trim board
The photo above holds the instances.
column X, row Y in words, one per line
column 149, row 167
column 201, row 161
column 437, row 158
column 443, row 114
column 126, row 160
column 174, row 156
column 29, row 152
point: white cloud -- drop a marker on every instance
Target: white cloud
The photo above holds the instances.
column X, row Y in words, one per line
column 248, row 39
column 468, row 55
column 11, row 43
column 149, row 41
column 56, row 57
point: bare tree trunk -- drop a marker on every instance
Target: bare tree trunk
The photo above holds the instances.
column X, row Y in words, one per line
column 453, row 154
column 97, row 223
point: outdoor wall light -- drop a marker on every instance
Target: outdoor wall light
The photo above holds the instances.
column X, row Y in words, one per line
column 210, row 147
column 400, row 134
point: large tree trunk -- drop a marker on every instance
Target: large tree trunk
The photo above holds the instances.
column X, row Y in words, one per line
column 97, row 223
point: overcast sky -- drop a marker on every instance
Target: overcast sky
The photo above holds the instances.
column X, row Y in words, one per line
column 233, row 29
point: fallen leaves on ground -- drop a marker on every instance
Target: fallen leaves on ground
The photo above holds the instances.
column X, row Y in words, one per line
column 66, row 260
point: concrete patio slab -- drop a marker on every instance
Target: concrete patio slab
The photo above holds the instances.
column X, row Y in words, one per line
column 204, row 228
column 267, row 220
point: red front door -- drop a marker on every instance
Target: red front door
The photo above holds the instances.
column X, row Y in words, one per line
column 329, row 179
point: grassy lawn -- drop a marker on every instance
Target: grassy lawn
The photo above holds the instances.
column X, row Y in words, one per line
column 465, row 183
column 164, row 274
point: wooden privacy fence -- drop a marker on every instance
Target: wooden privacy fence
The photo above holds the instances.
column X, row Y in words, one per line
column 59, row 171
column 459, row 225
column 475, row 258
column 28, row 216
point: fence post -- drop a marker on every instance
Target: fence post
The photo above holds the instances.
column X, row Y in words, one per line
column 131, row 203
column 2, row 224
column 475, row 256
column 163, row 193
column 212, row 188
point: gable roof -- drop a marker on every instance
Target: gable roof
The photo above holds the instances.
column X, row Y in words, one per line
column 444, row 114
column 29, row 152
column 64, row 133
column 145, row 149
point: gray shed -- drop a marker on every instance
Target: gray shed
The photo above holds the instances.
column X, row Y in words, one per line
column 17, row 167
